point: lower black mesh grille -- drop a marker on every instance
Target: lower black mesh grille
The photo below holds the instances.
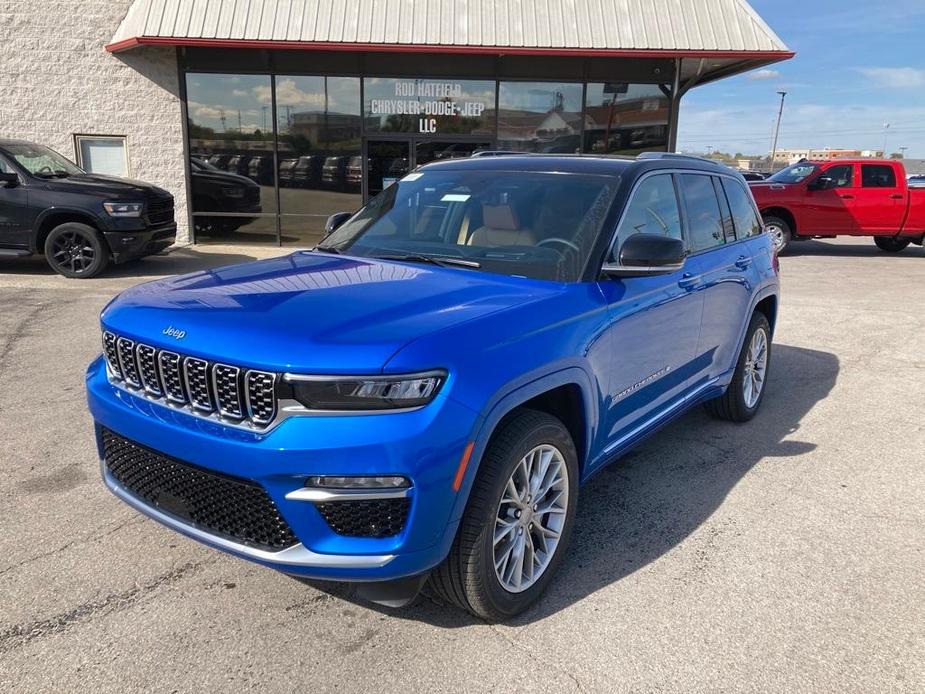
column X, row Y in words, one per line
column 236, row 509
column 372, row 518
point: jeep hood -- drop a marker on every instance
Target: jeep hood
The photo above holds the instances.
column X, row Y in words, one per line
column 312, row 312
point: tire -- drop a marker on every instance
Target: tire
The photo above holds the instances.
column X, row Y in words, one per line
column 890, row 244
column 76, row 250
column 735, row 405
column 468, row 578
column 780, row 233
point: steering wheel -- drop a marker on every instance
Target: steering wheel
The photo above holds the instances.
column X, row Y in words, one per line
column 556, row 239
column 45, row 169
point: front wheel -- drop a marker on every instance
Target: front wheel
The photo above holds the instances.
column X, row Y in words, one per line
column 518, row 521
column 743, row 397
column 890, row 244
column 76, row 250
column 780, row 232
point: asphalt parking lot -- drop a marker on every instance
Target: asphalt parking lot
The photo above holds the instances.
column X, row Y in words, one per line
column 785, row 555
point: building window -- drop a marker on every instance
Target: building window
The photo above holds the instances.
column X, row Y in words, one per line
column 320, row 168
column 232, row 157
column 102, row 154
column 623, row 118
column 429, row 106
column 539, row 117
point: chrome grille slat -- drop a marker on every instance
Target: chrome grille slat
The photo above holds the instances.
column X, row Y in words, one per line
column 126, row 352
column 221, row 392
column 146, row 356
column 196, row 375
column 226, row 382
column 260, row 396
column 111, row 353
column 171, row 376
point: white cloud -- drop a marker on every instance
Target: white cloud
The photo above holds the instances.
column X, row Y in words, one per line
column 765, row 74
column 895, row 77
column 288, row 94
column 239, row 92
column 203, row 111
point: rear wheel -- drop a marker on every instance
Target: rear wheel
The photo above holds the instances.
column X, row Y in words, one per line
column 890, row 244
column 518, row 521
column 779, row 231
column 76, row 250
column 743, row 397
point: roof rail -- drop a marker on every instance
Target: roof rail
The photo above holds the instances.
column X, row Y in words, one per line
column 673, row 155
column 496, row 153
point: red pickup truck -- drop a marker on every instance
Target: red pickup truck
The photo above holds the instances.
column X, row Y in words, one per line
column 843, row 197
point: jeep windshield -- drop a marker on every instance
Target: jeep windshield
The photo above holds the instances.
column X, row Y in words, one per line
column 41, row 161
column 794, row 174
column 526, row 224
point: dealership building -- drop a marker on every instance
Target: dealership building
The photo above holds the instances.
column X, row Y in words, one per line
column 263, row 117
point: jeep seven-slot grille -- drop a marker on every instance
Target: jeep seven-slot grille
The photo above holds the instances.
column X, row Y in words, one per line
column 206, row 388
column 233, row 508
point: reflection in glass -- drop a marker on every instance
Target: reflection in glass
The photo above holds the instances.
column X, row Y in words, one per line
column 231, row 146
column 303, row 231
column 622, row 118
column 318, row 121
column 429, row 106
column 539, row 117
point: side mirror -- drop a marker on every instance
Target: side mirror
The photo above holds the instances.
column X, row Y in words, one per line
column 335, row 220
column 645, row 255
column 822, row 183
column 9, row 179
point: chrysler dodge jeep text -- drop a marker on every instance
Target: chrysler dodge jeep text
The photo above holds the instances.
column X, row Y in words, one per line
column 422, row 395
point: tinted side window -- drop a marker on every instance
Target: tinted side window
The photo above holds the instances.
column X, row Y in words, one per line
column 705, row 222
column 743, row 212
column 842, row 176
column 877, row 176
column 653, row 209
column 729, row 232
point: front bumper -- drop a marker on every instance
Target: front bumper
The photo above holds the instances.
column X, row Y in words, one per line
column 423, row 445
column 129, row 245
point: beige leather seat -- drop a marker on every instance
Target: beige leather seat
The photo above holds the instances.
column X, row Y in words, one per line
column 501, row 227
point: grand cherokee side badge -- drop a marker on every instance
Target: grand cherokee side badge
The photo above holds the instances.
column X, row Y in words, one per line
column 175, row 333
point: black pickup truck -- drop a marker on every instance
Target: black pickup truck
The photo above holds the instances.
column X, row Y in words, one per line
column 81, row 222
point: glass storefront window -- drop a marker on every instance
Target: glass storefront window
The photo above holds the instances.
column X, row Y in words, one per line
column 320, row 166
column 539, row 117
column 429, row 106
column 232, row 156
column 622, row 118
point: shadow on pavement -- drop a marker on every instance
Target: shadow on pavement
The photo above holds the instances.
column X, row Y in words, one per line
column 849, row 250
column 649, row 501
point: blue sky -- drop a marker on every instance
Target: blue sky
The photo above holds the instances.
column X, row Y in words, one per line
column 859, row 64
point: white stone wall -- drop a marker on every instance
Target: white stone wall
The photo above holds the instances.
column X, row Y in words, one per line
column 56, row 79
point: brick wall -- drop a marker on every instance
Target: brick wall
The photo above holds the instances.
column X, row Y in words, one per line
column 56, row 79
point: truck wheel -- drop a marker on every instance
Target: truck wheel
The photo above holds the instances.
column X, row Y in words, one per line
column 76, row 250
column 780, row 233
column 518, row 520
column 743, row 397
column 890, row 244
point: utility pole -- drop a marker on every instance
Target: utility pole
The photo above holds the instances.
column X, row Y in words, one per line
column 902, row 152
column 780, row 113
column 886, row 129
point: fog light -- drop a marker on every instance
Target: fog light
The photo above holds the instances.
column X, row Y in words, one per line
column 386, row 482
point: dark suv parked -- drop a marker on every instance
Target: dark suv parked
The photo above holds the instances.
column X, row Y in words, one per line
column 80, row 221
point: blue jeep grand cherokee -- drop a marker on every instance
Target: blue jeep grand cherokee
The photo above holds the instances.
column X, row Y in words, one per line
column 424, row 393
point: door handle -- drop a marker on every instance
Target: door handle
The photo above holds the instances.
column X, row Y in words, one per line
column 896, row 196
column 689, row 281
column 744, row 262
column 845, row 196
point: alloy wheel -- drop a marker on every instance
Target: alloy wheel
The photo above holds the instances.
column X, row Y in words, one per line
column 73, row 251
column 756, row 367
column 777, row 235
column 530, row 518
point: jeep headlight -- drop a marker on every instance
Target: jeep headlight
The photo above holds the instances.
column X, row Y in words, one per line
column 124, row 209
column 366, row 392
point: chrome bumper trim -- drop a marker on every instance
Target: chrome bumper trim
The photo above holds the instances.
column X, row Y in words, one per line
column 297, row 555
column 319, row 495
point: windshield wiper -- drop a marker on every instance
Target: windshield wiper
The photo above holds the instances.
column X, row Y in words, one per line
column 442, row 261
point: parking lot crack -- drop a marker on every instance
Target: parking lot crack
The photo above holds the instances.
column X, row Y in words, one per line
column 541, row 662
column 19, row 635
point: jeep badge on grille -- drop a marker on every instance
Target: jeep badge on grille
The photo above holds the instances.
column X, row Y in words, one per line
column 175, row 333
